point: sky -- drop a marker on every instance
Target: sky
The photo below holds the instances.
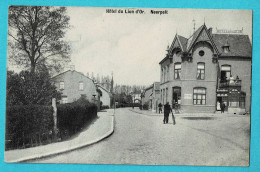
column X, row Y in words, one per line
column 132, row 45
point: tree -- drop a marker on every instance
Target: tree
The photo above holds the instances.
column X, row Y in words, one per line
column 30, row 88
column 36, row 36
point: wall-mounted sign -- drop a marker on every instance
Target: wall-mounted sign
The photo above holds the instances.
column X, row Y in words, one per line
column 228, row 31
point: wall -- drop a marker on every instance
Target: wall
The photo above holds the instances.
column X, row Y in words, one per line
column 241, row 68
column 105, row 98
column 189, row 80
column 71, row 85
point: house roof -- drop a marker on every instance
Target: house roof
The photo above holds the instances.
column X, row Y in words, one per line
column 183, row 41
column 239, row 45
column 71, row 71
column 193, row 37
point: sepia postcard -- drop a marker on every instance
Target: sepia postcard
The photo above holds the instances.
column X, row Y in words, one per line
column 142, row 86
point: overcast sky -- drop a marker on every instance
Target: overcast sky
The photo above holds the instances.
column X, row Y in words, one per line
column 132, row 45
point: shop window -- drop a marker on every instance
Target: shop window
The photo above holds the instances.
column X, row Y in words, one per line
column 201, row 71
column 242, row 102
column 199, row 96
column 177, row 70
column 61, row 85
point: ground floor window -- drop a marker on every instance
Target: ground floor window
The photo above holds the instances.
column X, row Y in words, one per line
column 64, row 100
column 199, row 96
column 242, row 102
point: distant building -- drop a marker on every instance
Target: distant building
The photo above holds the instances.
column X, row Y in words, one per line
column 151, row 96
column 207, row 69
column 105, row 96
column 73, row 85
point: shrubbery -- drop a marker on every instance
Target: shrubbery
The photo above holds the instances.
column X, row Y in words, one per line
column 145, row 106
column 104, row 107
column 72, row 117
column 26, row 124
column 29, row 125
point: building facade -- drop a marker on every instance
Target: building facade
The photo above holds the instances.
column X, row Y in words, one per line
column 151, row 96
column 203, row 71
column 105, row 96
column 73, row 85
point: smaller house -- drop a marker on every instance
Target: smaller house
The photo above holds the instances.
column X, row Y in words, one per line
column 105, row 96
column 151, row 96
column 73, row 85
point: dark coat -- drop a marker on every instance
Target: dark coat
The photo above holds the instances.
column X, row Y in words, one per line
column 167, row 109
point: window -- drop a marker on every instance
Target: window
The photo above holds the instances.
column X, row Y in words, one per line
column 166, row 95
column 201, row 53
column 177, row 70
column 81, row 86
column 61, row 85
column 64, row 100
column 225, row 72
column 167, row 72
column 162, row 75
column 201, row 71
column 199, row 96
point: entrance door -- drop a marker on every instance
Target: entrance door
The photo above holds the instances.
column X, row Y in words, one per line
column 219, row 101
column 176, row 95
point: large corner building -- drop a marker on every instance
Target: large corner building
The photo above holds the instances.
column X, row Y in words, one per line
column 203, row 71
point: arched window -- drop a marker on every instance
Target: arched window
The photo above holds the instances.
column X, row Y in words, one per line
column 177, row 70
column 201, row 70
column 199, row 96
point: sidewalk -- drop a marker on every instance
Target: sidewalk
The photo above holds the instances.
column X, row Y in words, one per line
column 99, row 129
column 217, row 114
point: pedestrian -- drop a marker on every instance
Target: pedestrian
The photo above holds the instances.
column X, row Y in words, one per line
column 160, row 108
column 167, row 110
column 222, row 106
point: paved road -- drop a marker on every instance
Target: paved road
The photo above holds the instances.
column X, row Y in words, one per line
column 142, row 139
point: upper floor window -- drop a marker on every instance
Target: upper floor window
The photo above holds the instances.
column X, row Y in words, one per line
column 225, row 72
column 61, row 85
column 199, row 96
column 81, row 86
column 201, row 71
column 177, row 70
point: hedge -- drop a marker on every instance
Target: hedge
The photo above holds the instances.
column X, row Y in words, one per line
column 72, row 117
column 25, row 123
column 32, row 125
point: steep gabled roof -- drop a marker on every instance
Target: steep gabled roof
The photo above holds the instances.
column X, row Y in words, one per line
column 239, row 45
column 193, row 37
column 183, row 41
column 71, row 71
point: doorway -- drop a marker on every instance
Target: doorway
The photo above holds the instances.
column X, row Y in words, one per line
column 176, row 96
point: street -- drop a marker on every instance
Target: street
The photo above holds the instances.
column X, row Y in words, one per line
column 145, row 140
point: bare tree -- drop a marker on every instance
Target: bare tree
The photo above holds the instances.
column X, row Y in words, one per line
column 36, row 36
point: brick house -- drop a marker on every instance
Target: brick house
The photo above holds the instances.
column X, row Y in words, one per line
column 73, row 85
column 200, row 72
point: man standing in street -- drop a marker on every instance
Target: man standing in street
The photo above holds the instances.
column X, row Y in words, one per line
column 167, row 110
